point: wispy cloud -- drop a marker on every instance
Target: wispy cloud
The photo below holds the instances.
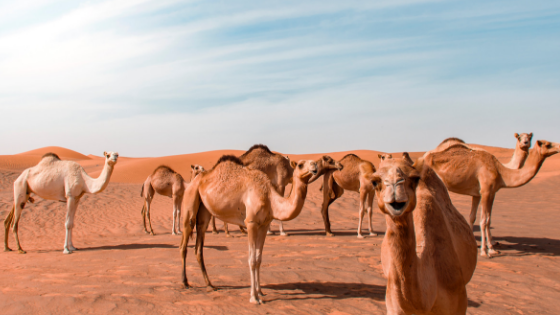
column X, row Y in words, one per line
column 300, row 76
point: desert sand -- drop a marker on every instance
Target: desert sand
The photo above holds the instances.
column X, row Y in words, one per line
column 120, row 269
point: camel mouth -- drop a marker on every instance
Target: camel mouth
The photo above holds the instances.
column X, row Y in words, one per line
column 397, row 207
column 313, row 172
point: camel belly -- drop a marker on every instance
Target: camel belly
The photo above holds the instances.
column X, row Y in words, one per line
column 228, row 212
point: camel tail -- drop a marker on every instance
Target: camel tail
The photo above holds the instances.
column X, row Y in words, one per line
column 142, row 191
column 7, row 223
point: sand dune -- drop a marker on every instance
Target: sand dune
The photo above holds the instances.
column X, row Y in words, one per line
column 119, row 269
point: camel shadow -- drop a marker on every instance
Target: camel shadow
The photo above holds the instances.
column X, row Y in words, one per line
column 327, row 290
column 321, row 232
column 145, row 246
column 524, row 246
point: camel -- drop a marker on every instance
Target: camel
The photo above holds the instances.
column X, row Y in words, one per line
column 521, row 150
column 350, row 177
column 54, row 179
column 385, row 156
column 166, row 182
column 275, row 166
column 428, row 253
column 240, row 195
column 479, row 174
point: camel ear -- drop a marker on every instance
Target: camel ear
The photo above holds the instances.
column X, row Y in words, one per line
column 516, row 135
column 531, row 135
column 104, row 153
column 539, row 143
column 380, row 156
column 374, row 179
column 192, row 166
column 390, row 156
column 287, row 158
column 293, row 164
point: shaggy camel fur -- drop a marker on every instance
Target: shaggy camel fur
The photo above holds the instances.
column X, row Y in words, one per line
column 521, row 150
column 352, row 177
column 54, row 179
column 239, row 195
column 275, row 166
column 429, row 252
column 479, row 174
column 166, row 182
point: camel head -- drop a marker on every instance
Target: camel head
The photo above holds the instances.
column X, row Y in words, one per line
column 395, row 184
column 195, row 170
column 406, row 157
column 111, row 157
column 524, row 140
column 546, row 148
column 383, row 157
column 304, row 169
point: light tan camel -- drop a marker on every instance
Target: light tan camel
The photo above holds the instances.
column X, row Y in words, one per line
column 54, row 179
column 166, row 182
column 275, row 166
column 352, row 177
column 239, row 195
column 428, row 252
column 521, row 150
column 479, row 174
column 385, row 156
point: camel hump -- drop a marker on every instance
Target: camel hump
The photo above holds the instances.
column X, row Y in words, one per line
column 350, row 155
column 167, row 170
column 229, row 158
column 258, row 147
column 50, row 155
column 452, row 139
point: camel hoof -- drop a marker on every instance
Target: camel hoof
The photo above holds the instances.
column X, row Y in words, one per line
column 372, row 234
column 67, row 252
column 329, row 234
column 211, row 289
column 73, row 249
column 146, row 231
column 283, row 234
column 152, row 233
column 261, row 294
column 7, row 249
column 360, row 236
column 227, row 235
column 492, row 251
column 21, row 251
column 215, row 232
column 255, row 301
column 269, row 233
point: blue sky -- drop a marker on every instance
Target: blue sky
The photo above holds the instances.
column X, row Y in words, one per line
column 152, row 78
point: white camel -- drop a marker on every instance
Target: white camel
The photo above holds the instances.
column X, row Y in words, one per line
column 54, row 179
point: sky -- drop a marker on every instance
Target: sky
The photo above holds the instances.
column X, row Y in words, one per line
column 165, row 77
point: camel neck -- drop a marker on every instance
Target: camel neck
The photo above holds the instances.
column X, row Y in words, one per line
column 400, row 239
column 99, row 184
column 518, row 177
column 286, row 209
column 518, row 159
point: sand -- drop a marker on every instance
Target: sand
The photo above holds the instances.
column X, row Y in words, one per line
column 120, row 269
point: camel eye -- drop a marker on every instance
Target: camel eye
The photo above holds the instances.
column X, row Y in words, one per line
column 300, row 165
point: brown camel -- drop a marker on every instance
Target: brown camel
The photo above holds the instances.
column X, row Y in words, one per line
column 428, row 252
column 166, row 182
column 275, row 166
column 479, row 174
column 54, row 179
column 239, row 195
column 351, row 177
column 521, row 150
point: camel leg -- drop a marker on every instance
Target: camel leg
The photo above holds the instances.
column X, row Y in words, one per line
column 261, row 237
column 253, row 231
column 363, row 196
column 491, row 243
column 7, row 224
column 148, row 204
column 202, row 221
column 187, row 231
column 474, row 210
column 176, row 214
column 281, row 227
column 242, row 230
column 226, row 229
column 327, row 186
column 72, row 206
column 214, row 229
column 370, row 197
column 143, row 212
column 486, row 248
